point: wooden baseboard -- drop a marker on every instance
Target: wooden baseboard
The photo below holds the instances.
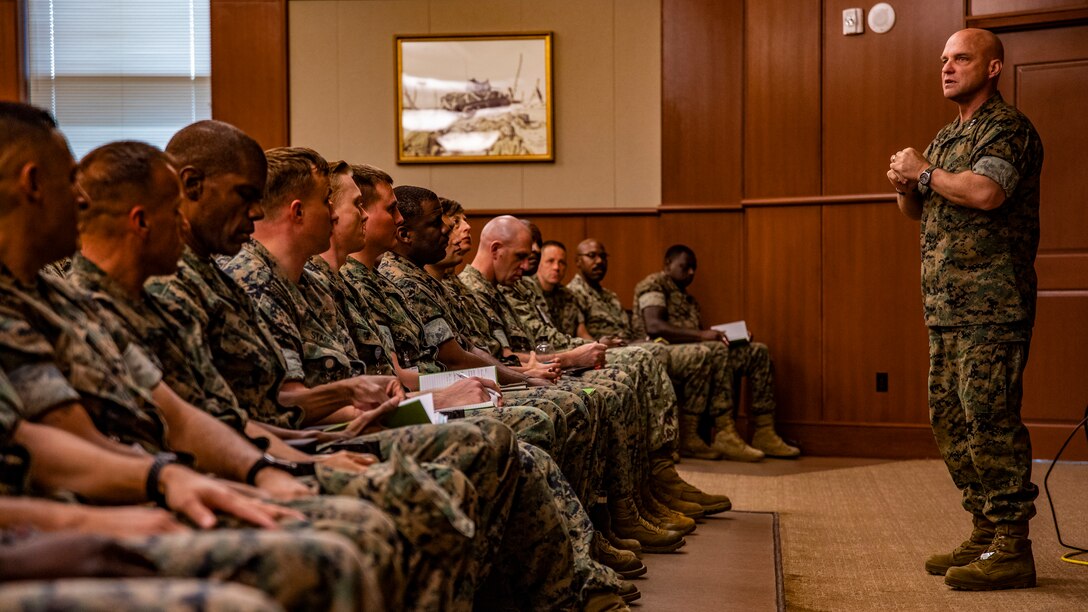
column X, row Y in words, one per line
column 909, row 441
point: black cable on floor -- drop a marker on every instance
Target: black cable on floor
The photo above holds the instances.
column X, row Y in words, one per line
column 1076, row 550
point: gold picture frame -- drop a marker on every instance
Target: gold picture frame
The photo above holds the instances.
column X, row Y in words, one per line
column 475, row 98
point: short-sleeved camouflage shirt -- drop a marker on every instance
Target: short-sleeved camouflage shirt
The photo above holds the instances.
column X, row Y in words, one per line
column 512, row 333
column 394, row 317
column 978, row 267
column 601, row 310
column 321, row 352
column 527, row 299
column 212, row 309
column 185, row 362
column 659, row 290
column 56, row 347
column 337, row 303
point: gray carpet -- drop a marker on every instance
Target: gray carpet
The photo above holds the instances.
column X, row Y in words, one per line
column 729, row 563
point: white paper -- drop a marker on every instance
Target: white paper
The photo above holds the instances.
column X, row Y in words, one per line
column 441, row 380
column 734, row 332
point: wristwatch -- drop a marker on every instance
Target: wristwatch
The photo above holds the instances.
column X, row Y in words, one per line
column 926, row 176
column 151, row 486
column 268, row 461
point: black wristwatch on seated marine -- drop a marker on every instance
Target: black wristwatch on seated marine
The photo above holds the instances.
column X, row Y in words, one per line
column 151, row 486
column 268, row 461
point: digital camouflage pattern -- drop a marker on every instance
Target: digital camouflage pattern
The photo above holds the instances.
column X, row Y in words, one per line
column 214, row 310
column 331, row 298
column 979, row 292
column 134, row 595
column 659, row 290
column 975, row 389
column 601, row 310
column 186, row 365
column 56, row 349
column 564, row 309
column 14, row 474
column 474, row 323
column 978, row 267
column 526, row 298
column 394, row 317
column 313, row 347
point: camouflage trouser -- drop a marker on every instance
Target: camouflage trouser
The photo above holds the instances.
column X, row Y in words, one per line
column 622, row 442
column 729, row 364
column 688, row 366
column 375, row 536
column 532, row 424
column 133, row 595
column 301, row 570
column 576, row 431
column 654, row 390
column 975, row 389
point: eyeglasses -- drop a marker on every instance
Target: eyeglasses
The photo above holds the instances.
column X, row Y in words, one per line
column 601, row 256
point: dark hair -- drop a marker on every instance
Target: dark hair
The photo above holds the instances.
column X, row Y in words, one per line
column 451, row 207
column 676, row 250
column 215, row 147
column 109, row 170
column 291, row 172
column 22, row 126
column 410, row 201
column 554, row 243
column 534, row 230
column 367, row 178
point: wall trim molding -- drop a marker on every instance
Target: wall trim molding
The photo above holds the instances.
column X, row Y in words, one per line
column 1029, row 20
column 858, row 198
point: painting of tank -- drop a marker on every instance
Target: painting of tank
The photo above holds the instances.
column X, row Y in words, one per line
column 475, row 98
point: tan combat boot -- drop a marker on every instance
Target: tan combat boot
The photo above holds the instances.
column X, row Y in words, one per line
column 975, row 545
column 691, row 445
column 766, row 440
column 663, row 516
column 1006, row 564
column 729, row 443
column 665, row 478
column 604, row 601
column 602, row 523
column 624, row 562
column 626, row 523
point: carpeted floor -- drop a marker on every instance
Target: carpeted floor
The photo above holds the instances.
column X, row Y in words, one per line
column 855, row 538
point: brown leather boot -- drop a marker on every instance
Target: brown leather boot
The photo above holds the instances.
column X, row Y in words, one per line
column 691, row 445
column 665, row 476
column 605, row 601
column 663, row 516
column 1006, row 564
column 627, row 523
column 976, row 544
column 767, row 440
column 602, row 522
column 624, row 562
column 729, row 443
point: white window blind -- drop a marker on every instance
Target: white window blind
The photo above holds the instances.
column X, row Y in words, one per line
column 119, row 69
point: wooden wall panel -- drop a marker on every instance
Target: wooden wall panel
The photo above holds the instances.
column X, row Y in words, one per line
column 782, row 98
column 783, row 306
column 1055, row 387
column 635, row 249
column 881, row 92
column 701, row 101
column 249, row 67
column 991, row 7
column 11, row 66
column 872, row 312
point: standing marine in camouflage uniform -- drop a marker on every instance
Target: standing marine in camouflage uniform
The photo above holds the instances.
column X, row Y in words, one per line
column 976, row 191
column 664, row 309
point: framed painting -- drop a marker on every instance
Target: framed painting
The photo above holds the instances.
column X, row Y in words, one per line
column 475, row 98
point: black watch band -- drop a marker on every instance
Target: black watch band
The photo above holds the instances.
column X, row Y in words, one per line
column 268, row 461
column 151, row 487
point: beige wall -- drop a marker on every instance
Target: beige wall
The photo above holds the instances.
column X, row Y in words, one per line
column 607, row 71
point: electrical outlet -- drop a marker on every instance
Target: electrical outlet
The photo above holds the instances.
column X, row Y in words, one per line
column 881, row 382
column 852, row 22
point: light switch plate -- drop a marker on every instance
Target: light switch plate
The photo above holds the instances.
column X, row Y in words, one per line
column 852, row 22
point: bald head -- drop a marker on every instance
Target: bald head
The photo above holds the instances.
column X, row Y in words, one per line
column 214, row 147
column 984, row 41
column 505, row 229
column 971, row 65
column 505, row 245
